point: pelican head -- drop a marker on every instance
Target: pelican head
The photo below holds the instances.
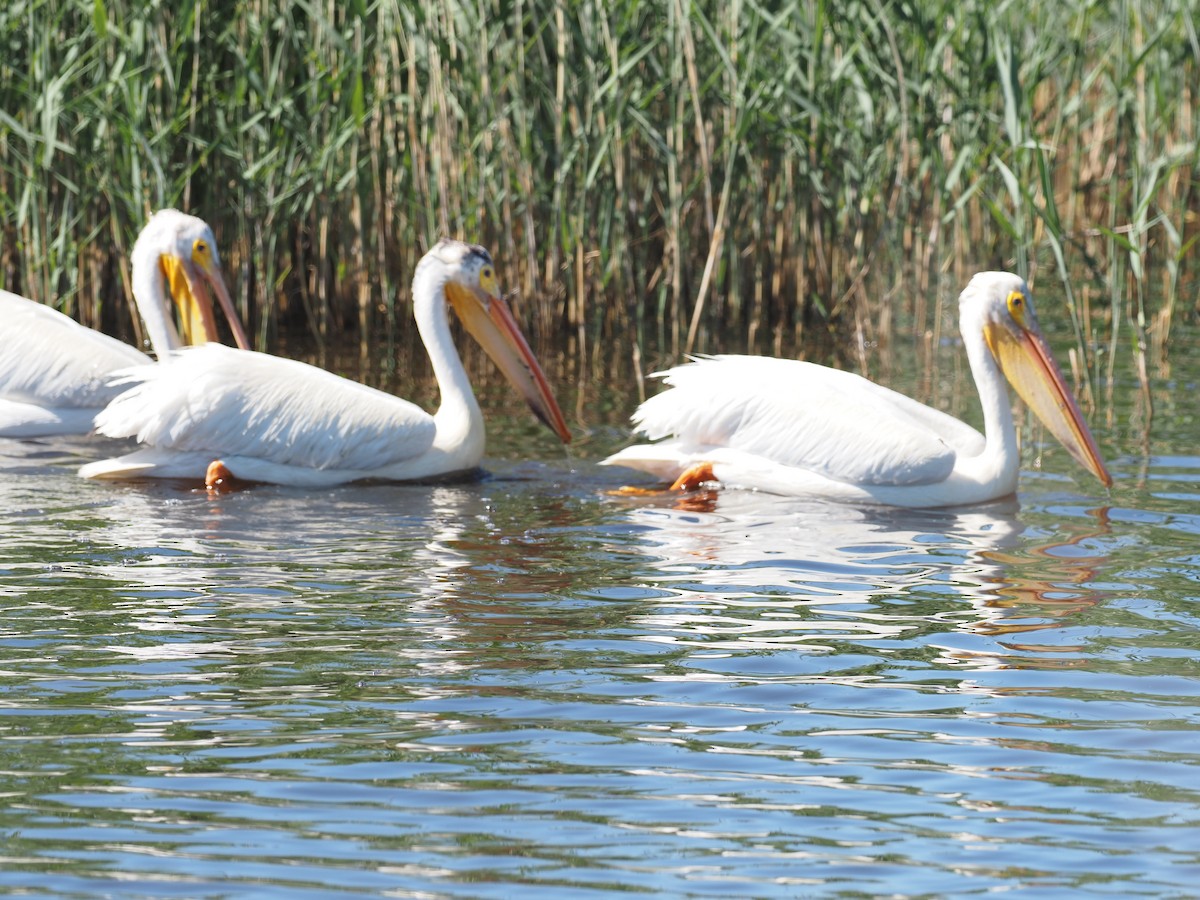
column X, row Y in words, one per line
column 999, row 304
column 468, row 276
column 175, row 259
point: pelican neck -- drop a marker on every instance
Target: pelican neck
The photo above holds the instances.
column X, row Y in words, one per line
column 1000, row 436
column 150, row 294
column 458, row 418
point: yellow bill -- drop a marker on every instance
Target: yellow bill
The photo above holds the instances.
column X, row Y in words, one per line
column 189, row 287
column 490, row 321
column 1027, row 364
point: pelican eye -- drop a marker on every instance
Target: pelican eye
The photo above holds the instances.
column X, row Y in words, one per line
column 487, row 280
column 1016, row 307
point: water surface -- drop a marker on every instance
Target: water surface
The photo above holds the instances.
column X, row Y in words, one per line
column 528, row 684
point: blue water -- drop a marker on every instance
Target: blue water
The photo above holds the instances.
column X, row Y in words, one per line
column 527, row 686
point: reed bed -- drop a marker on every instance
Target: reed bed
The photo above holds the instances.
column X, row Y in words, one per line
column 652, row 175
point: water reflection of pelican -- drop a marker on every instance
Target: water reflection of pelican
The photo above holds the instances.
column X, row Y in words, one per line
column 449, row 568
column 745, row 571
column 1039, row 587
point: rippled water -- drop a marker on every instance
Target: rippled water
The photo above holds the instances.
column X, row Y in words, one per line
column 528, row 684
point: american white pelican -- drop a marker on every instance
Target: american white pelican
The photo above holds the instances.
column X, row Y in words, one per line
column 801, row 429
column 281, row 421
column 55, row 374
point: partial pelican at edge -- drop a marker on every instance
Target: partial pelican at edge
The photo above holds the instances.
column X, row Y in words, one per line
column 55, row 374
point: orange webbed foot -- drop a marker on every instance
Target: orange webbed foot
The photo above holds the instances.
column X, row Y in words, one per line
column 694, row 476
column 219, row 480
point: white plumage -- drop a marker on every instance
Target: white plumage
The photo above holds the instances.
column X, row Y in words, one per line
column 56, row 375
column 261, row 414
column 797, row 428
column 796, row 416
column 277, row 420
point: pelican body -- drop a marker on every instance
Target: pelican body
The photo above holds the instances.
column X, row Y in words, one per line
column 56, row 375
column 53, row 371
column 800, row 429
column 281, row 421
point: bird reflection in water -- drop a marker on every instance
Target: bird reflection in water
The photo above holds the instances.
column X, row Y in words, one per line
column 1039, row 586
column 749, row 571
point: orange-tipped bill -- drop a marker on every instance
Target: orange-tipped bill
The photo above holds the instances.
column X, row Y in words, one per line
column 491, row 323
column 189, row 285
column 1030, row 368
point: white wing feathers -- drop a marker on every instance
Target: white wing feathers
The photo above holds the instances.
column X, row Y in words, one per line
column 831, row 422
column 232, row 403
column 51, row 360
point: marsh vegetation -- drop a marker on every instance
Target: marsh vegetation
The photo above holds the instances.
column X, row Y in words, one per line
column 652, row 176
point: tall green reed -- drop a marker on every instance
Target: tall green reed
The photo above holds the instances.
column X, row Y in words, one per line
column 653, row 176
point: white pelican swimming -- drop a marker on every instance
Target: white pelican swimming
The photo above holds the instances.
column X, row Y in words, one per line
column 286, row 422
column 55, row 374
column 801, row 429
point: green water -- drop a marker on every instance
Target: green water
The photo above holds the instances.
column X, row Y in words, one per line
column 529, row 685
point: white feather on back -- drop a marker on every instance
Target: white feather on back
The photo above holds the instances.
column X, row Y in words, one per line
column 51, row 360
column 240, row 403
column 835, row 423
